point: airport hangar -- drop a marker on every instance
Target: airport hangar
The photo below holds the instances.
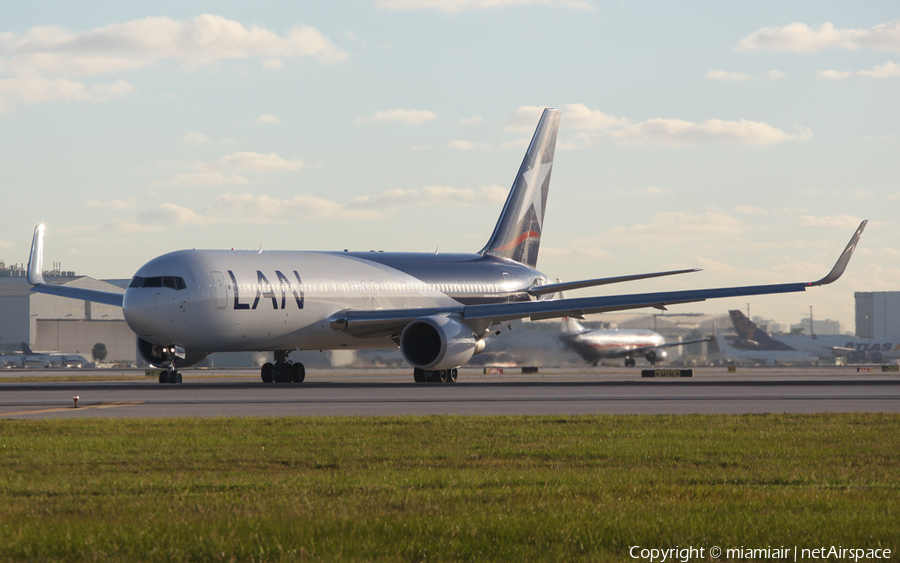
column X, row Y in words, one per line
column 51, row 323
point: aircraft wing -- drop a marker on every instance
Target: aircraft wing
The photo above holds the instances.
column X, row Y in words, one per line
column 382, row 322
column 35, row 277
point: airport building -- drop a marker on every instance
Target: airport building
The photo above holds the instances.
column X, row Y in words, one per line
column 877, row 314
column 50, row 323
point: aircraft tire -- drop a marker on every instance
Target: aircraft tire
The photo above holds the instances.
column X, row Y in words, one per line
column 452, row 374
column 164, row 376
column 419, row 375
column 267, row 373
column 176, row 379
column 298, row 372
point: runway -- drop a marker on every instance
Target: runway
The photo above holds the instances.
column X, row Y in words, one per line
column 210, row 393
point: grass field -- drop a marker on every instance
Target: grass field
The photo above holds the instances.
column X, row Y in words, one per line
column 443, row 488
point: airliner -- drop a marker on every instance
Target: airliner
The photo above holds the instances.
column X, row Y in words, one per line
column 782, row 356
column 594, row 345
column 823, row 346
column 438, row 308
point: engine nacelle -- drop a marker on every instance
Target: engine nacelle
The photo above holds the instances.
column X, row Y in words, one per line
column 656, row 356
column 438, row 342
column 153, row 356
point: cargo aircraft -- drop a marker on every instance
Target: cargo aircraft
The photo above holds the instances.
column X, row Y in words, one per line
column 438, row 308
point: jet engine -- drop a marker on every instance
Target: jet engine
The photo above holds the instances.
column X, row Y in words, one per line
column 153, row 355
column 438, row 342
column 656, row 356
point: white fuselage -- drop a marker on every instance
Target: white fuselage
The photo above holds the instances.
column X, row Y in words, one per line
column 766, row 357
column 248, row 300
column 835, row 345
column 595, row 345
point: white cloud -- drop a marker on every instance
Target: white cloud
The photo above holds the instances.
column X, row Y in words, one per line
column 203, row 179
column 407, row 116
column 574, row 116
column 224, row 171
column 654, row 131
column 26, row 90
column 487, row 147
column 136, row 44
column 255, row 161
column 728, row 76
column 264, row 209
column 170, row 214
column 889, row 69
column 469, row 145
column 773, row 75
column 680, row 132
column 114, row 205
column 842, row 221
column 476, row 120
column 195, row 139
column 268, row 119
column 253, row 208
column 834, row 74
column 463, row 5
column 676, row 227
column 750, row 210
column 431, row 195
column 39, row 66
column 800, row 38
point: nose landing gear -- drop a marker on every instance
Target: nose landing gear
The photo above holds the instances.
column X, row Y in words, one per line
column 283, row 370
column 169, row 374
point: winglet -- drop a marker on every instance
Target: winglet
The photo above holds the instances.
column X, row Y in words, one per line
column 35, row 274
column 842, row 262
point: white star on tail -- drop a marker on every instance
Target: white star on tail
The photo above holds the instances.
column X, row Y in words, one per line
column 534, row 179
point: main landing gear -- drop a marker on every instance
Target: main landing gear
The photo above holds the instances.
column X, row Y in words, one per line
column 283, row 370
column 169, row 375
column 434, row 376
column 630, row 362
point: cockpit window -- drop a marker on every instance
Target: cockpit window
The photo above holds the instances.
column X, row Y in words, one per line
column 172, row 282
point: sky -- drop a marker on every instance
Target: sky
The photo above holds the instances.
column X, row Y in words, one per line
column 747, row 139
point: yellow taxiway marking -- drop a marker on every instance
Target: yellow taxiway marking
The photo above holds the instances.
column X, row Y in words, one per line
column 65, row 409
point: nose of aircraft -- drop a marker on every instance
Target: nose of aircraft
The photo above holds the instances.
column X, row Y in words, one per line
column 139, row 307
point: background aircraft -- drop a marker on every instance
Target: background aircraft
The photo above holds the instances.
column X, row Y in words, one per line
column 437, row 308
column 596, row 345
column 825, row 347
column 27, row 359
column 762, row 356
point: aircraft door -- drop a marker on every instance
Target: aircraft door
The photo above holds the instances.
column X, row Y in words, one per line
column 220, row 289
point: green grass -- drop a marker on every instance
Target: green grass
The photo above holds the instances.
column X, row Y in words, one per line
column 443, row 488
